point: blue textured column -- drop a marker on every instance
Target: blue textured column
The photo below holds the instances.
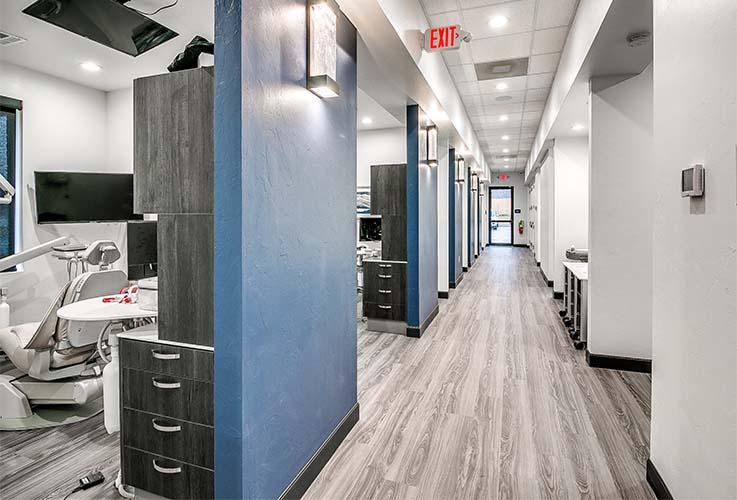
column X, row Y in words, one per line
column 285, row 207
column 413, row 215
column 452, row 215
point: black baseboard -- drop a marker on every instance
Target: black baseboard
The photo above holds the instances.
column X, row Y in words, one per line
column 545, row 278
column 558, row 295
column 656, row 482
column 414, row 332
column 299, row 485
column 538, row 264
column 520, row 245
column 465, row 269
column 619, row 363
column 443, row 295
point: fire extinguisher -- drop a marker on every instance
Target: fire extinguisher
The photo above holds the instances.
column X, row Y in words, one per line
column 521, row 227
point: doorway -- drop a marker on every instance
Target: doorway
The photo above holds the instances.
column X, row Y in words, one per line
column 501, row 215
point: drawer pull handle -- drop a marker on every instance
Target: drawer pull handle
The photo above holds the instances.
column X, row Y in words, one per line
column 384, row 307
column 165, row 428
column 164, row 355
column 385, row 291
column 385, row 266
column 166, row 385
column 385, row 276
column 166, row 470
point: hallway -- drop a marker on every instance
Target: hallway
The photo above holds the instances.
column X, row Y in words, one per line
column 492, row 402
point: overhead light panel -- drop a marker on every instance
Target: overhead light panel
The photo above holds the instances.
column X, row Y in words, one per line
column 367, row 120
column 577, row 127
column 502, row 86
column 505, row 137
column 503, row 118
column 322, row 43
column 91, row 67
column 498, row 21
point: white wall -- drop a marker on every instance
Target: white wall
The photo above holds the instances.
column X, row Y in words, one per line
column 64, row 128
column 694, row 394
column 546, row 219
column 521, row 202
column 443, row 229
column 120, row 130
column 379, row 147
column 571, row 185
column 620, row 216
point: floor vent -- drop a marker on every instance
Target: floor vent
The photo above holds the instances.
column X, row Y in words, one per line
column 8, row 39
column 502, row 69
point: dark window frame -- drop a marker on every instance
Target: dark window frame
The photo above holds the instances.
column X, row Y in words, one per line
column 10, row 108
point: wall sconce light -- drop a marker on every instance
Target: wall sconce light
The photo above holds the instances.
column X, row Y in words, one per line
column 322, row 43
column 460, row 170
column 474, row 182
column 432, row 145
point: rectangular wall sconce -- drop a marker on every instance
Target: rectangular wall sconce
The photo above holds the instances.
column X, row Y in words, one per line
column 322, row 47
column 432, row 145
column 474, row 182
column 461, row 170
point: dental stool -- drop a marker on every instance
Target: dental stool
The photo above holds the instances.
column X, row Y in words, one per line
column 56, row 372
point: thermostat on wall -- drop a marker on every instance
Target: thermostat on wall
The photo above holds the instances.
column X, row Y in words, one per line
column 692, row 181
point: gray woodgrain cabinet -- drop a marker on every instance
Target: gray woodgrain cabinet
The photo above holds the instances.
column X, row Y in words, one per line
column 174, row 142
column 167, row 418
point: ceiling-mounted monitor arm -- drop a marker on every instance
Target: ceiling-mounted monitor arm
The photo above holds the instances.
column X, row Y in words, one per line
column 8, row 191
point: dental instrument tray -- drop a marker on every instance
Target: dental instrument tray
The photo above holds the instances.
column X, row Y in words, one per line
column 578, row 254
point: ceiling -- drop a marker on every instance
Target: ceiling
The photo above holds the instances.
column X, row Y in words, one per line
column 371, row 115
column 536, row 29
column 57, row 52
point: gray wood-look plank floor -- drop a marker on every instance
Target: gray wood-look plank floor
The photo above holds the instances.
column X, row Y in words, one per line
column 492, row 402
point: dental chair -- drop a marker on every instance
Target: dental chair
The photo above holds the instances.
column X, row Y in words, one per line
column 56, row 372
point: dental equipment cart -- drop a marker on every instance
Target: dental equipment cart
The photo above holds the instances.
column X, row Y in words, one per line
column 575, row 300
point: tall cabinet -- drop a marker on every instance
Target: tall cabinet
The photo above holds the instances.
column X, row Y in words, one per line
column 167, row 421
column 385, row 280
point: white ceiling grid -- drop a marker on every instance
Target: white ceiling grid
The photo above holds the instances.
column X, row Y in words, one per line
column 505, row 120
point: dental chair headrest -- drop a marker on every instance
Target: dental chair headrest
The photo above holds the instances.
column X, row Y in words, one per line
column 101, row 253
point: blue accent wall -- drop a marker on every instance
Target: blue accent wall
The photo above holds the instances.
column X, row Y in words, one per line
column 471, row 229
column 413, row 207
column 285, row 298
column 422, row 226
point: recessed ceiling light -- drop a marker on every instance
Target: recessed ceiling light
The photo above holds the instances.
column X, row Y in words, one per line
column 367, row 120
column 498, row 21
column 90, row 66
column 506, row 159
column 502, row 86
column 505, row 150
column 577, row 126
column 503, row 118
column 506, row 166
column 503, row 98
column 505, row 137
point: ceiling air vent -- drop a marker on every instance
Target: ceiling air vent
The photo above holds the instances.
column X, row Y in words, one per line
column 501, row 69
column 8, row 39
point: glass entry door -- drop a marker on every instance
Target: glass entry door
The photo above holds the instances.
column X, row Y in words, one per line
column 501, row 215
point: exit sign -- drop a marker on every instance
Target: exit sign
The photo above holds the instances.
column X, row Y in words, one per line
column 503, row 177
column 444, row 38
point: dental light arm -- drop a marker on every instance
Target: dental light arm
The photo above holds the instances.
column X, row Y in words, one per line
column 31, row 253
column 8, row 191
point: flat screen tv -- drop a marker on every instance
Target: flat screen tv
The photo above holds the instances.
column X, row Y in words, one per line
column 108, row 22
column 64, row 197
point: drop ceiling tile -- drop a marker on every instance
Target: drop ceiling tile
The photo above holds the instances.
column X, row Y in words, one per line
column 500, row 48
column 532, row 115
column 476, row 111
column 437, row 6
column 501, row 97
column 463, row 73
column 470, row 4
column 540, row 81
column 537, row 94
column 549, row 40
column 545, row 63
column 446, row 18
column 471, row 100
column 468, row 88
column 513, row 84
column 534, row 105
column 497, row 109
column 521, row 15
column 552, row 13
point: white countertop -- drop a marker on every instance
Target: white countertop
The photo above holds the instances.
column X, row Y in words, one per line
column 579, row 269
column 97, row 310
column 150, row 333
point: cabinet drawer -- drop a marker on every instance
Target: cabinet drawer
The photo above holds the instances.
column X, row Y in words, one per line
column 166, row 477
column 378, row 294
column 394, row 312
column 168, row 437
column 166, row 359
column 167, row 395
column 385, row 276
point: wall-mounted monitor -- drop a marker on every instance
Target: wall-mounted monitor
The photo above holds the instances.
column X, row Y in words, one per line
column 369, row 229
column 692, row 181
column 66, row 197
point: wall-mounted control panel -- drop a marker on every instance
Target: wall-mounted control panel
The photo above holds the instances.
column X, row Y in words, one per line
column 692, row 181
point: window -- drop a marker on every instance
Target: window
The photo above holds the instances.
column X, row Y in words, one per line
column 9, row 121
